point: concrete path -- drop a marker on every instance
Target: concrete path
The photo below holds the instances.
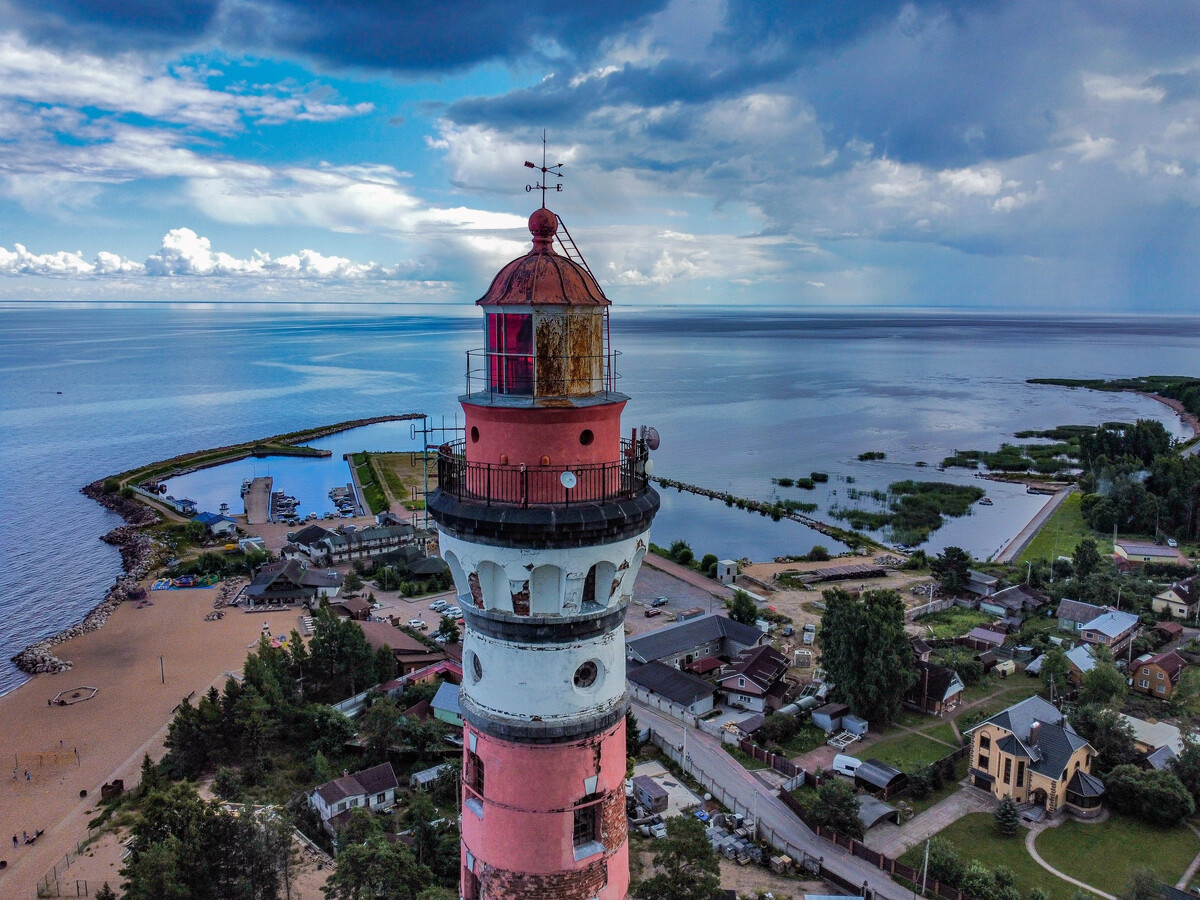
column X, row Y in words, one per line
column 1021, row 541
column 1029, row 846
column 893, row 840
column 683, row 573
column 1186, row 878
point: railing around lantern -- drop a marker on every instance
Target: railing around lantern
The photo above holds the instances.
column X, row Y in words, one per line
column 528, row 375
column 524, row 486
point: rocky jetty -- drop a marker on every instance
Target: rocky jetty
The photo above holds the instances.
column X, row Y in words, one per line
column 138, row 552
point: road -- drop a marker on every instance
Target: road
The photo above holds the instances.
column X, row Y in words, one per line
column 753, row 797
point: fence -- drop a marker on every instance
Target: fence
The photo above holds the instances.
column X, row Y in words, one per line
column 778, row 763
column 55, row 883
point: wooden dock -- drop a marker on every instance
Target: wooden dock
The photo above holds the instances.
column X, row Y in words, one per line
column 258, row 500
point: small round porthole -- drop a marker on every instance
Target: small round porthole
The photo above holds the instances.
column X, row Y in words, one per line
column 586, row 674
column 586, row 436
column 476, row 666
column 474, row 435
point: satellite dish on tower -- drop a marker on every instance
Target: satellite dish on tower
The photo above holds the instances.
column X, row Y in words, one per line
column 650, row 436
column 568, row 480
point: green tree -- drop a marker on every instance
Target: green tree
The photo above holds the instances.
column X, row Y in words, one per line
column 339, row 655
column 951, row 568
column 1143, row 884
column 353, row 581
column 418, row 818
column 1104, row 683
column 1055, row 667
column 106, row 893
column 1185, row 699
column 437, row 893
column 1008, row 818
column 226, row 784
column 1039, row 894
column 448, row 628
column 376, row 868
column 686, row 865
column 870, row 627
column 818, row 553
column 382, row 727
column 360, row 827
column 153, row 874
column 425, row 738
column 326, row 728
column 1187, row 767
column 681, row 553
column 1155, row 797
column 1109, row 734
column 742, row 608
column 633, row 745
column 1086, row 558
column 836, row 806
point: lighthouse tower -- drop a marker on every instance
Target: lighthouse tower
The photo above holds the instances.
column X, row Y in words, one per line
column 543, row 511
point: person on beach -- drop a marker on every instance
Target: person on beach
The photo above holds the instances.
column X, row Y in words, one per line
column 14, row 842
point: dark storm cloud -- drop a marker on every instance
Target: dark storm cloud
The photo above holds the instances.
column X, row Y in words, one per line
column 409, row 36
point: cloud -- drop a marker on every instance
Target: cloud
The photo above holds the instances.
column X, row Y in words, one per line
column 185, row 253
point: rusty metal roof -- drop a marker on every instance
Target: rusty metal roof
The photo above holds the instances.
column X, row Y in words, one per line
column 543, row 277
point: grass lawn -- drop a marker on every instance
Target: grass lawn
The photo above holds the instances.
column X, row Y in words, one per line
column 908, row 752
column 1104, row 855
column 974, row 837
column 1020, row 687
column 1062, row 531
column 954, row 622
column 810, row 737
column 942, row 732
column 747, row 761
column 960, row 772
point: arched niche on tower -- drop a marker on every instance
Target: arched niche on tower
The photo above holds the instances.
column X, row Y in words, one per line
column 598, row 585
column 493, row 580
column 546, row 591
column 461, row 586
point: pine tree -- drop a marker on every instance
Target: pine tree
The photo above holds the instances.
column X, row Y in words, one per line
column 1008, row 819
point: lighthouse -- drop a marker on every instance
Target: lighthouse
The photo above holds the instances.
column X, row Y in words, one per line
column 543, row 511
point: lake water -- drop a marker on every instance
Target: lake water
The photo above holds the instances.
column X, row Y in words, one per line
column 739, row 398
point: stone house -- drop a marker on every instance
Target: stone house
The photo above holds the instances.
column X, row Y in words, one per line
column 1158, row 676
column 373, row 788
column 1181, row 600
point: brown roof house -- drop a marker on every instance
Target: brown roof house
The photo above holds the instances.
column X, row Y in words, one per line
column 410, row 653
column 755, row 679
column 1030, row 752
column 373, row 788
column 1157, row 676
column 1181, row 600
column 291, row 581
column 936, row 691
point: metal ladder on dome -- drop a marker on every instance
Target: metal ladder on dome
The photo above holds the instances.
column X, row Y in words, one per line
column 570, row 251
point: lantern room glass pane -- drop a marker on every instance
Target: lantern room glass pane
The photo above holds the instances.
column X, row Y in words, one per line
column 510, row 353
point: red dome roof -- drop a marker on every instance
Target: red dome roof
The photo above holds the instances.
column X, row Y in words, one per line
column 543, row 277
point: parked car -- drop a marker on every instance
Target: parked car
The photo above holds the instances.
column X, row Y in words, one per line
column 659, row 601
column 788, row 631
column 651, row 613
column 1171, row 542
column 438, row 605
column 454, row 612
column 418, row 624
column 846, row 765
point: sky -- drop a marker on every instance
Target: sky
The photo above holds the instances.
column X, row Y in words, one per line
column 1029, row 155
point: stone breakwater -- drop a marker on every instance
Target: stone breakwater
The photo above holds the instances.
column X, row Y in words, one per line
column 138, row 553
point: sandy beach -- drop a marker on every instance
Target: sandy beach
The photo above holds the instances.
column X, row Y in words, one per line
column 126, row 718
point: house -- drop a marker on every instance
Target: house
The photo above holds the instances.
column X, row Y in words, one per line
column 979, row 584
column 1014, row 603
column 216, row 524
column 424, row 779
column 666, row 683
column 1167, row 631
column 410, row 653
column 1157, row 676
column 291, row 581
column 984, row 637
column 1140, row 552
column 373, row 788
column 1113, row 629
column 727, row 570
column 650, row 794
column 754, row 680
column 445, row 705
column 1150, row 736
column 685, row 642
column 345, row 545
column 1074, row 614
column 1081, row 661
column 1030, row 752
column 356, row 608
column 1181, row 600
column 936, row 691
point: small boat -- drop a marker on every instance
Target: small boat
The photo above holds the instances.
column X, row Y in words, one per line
column 245, row 486
column 986, row 501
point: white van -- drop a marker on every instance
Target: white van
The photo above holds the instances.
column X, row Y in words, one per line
column 846, row 765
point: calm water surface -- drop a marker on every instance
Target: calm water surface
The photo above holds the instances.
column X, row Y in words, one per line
column 738, row 398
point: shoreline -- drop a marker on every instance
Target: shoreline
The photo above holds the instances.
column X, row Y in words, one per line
column 1187, row 418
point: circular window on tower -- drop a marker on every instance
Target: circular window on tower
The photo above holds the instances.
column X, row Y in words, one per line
column 476, row 666
column 474, row 435
column 586, row 436
column 587, row 674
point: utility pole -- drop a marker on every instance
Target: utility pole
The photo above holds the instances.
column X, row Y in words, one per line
column 925, row 868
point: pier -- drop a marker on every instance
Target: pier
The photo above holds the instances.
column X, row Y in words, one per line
column 258, row 500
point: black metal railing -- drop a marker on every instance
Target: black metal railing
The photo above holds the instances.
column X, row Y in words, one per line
column 528, row 375
column 524, row 486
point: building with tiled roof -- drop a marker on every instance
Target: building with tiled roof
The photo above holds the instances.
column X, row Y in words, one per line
column 936, row 691
column 754, row 680
column 411, row 654
column 1074, row 614
column 373, row 789
column 1181, row 600
column 656, row 683
column 292, row 581
column 1113, row 629
column 1016, row 602
column 685, row 642
column 1030, row 752
column 1158, row 676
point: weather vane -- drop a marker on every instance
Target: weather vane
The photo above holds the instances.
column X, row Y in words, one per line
column 546, row 171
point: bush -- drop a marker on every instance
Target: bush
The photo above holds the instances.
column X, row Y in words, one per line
column 681, row 553
column 818, row 553
column 111, row 485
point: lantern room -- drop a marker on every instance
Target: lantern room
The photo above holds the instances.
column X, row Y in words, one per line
column 545, row 326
